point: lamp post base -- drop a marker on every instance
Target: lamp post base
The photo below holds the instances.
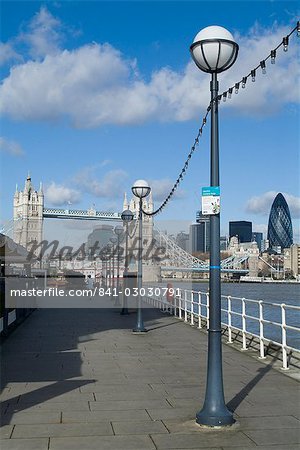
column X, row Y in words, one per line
column 224, row 419
column 139, row 331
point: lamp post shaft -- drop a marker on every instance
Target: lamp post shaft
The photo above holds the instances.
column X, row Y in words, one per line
column 124, row 310
column 140, row 324
column 214, row 411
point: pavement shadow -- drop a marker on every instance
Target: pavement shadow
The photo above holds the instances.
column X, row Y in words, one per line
column 235, row 402
column 46, row 350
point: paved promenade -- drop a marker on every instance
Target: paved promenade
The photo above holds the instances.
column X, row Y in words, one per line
column 80, row 380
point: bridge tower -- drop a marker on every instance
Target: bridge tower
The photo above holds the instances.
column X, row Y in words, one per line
column 28, row 214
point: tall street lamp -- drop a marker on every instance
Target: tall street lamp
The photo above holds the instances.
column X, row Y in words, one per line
column 113, row 240
column 127, row 217
column 140, row 189
column 213, row 51
column 118, row 231
column 109, row 254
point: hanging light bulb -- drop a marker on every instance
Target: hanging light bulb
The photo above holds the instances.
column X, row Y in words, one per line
column 224, row 96
column 230, row 90
column 298, row 28
column 273, row 56
column 244, row 81
column 285, row 42
column 263, row 67
column 253, row 73
column 237, row 85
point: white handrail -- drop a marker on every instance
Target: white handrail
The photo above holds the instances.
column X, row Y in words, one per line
column 190, row 307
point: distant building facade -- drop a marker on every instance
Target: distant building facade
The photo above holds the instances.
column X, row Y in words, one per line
column 223, row 243
column 182, row 240
column 280, row 231
column 258, row 238
column 101, row 236
column 200, row 234
column 242, row 229
column 292, row 260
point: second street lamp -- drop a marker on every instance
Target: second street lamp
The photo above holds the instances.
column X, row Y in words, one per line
column 113, row 241
column 119, row 232
column 127, row 217
column 140, row 189
column 213, row 51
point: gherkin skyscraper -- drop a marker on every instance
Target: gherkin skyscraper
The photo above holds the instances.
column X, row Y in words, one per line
column 280, row 231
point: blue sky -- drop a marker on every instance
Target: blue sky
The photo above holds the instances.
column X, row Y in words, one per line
column 97, row 94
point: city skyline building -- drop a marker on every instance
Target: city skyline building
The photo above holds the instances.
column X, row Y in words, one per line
column 258, row 238
column 280, row 230
column 100, row 235
column 182, row 240
column 242, row 229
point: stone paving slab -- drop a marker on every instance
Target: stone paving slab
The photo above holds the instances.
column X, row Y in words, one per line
column 199, row 440
column 104, row 443
column 63, row 430
column 275, row 436
column 51, row 406
column 100, row 416
column 138, row 427
column 31, row 417
column 265, row 447
column 88, row 383
column 6, row 431
column 128, row 405
column 25, row 444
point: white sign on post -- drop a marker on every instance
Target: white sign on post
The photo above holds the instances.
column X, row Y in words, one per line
column 210, row 200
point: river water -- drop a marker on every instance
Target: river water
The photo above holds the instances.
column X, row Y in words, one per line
column 267, row 292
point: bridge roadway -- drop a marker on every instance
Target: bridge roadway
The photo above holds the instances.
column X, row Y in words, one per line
column 80, row 380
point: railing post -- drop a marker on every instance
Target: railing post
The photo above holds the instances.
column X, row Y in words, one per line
column 207, row 311
column 199, row 310
column 244, row 324
column 192, row 308
column 229, row 317
column 283, row 338
column 185, row 305
column 261, row 331
column 176, row 304
column 180, row 306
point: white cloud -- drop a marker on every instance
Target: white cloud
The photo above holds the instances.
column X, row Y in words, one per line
column 59, row 195
column 42, row 35
column 95, row 84
column 161, row 189
column 11, row 147
column 8, row 53
column 111, row 185
column 263, row 203
column 260, row 228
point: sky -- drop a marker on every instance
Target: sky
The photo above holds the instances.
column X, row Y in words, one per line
column 95, row 95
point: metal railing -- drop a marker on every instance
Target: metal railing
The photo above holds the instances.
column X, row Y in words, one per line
column 265, row 322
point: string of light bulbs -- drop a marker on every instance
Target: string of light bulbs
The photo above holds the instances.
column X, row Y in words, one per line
column 226, row 94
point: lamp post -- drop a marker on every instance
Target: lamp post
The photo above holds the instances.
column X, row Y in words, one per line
column 140, row 189
column 113, row 240
column 127, row 217
column 213, row 51
column 118, row 231
column 109, row 253
column 104, row 266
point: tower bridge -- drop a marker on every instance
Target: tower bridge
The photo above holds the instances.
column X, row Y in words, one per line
column 30, row 212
